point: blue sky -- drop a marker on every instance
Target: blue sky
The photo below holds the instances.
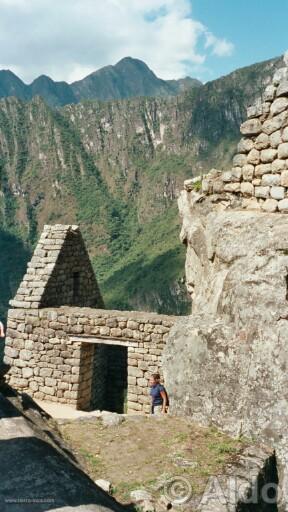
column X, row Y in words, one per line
column 68, row 39
column 258, row 30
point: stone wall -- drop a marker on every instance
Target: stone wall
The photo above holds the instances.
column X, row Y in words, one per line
column 51, row 351
column 60, row 272
column 259, row 176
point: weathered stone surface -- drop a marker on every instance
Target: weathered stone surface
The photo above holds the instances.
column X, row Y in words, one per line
column 282, row 89
column 274, row 124
column 232, row 176
column 278, row 106
column 253, row 157
column 262, row 141
column 236, row 339
column 285, row 134
column 269, row 93
column 268, row 155
column 247, row 189
column 275, row 139
column 251, row 127
column 262, row 169
column 283, row 150
column 239, row 160
column 278, row 165
column 280, row 75
column 277, row 193
column 284, row 179
column 270, row 205
column 248, row 172
column 232, row 187
column 245, row 145
column 110, row 419
column 104, row 484
column 140, row 495
column 283, row 205
column 270, row 180
column 255, row 110
column 262, row 192
column 38, row 473
column 217, row 186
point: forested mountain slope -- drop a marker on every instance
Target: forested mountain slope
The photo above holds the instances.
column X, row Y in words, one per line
column 116, row 168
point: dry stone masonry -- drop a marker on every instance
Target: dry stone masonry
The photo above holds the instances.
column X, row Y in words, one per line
column 60, row 272
column 52, row 346
column 259, row 176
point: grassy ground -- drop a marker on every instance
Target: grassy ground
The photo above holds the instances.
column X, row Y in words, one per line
column 145, row 452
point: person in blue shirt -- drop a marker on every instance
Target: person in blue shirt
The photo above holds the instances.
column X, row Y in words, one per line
column 159, row 397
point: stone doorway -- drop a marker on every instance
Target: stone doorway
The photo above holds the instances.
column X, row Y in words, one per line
column 109, row 378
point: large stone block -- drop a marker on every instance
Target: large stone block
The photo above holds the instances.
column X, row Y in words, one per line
column 283, row 206
column 277, row 193
column 245, row 145
column 268, row 155
column 270, row 205
column 253, row 157
column 284, row 178
column 274, row 124
column 262, row 141
column 248, row 172
column 278, row 106
column 251, row 127
column 283, row 151
column 262, row 192
column 270, row 180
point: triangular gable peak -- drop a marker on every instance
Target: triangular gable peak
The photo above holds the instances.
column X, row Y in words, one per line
column 60, row 272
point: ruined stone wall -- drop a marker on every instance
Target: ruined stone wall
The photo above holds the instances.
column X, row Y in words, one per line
column 51, row 351
column 259, row 176
column 59, row 273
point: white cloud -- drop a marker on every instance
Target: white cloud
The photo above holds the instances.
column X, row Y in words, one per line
column 68, row 39
column 220, row 47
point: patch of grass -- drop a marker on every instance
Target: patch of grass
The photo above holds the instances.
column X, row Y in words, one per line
column 223, row 447
column 197, row 186
column 94, row 461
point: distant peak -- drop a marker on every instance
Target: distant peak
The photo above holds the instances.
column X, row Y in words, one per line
column 42, row 78
column 131, row 60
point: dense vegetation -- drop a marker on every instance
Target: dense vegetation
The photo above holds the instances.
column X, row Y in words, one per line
column 116, row 168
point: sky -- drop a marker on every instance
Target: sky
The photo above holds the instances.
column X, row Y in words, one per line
column 205, row 39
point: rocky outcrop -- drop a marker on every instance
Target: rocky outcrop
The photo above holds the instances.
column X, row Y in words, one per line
column 38, row 472
column 226, row 364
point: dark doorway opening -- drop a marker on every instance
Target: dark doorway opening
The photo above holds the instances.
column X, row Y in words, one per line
column 109, row 381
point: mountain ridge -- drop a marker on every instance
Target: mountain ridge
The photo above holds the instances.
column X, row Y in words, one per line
column 127, row 78
column 115, row 168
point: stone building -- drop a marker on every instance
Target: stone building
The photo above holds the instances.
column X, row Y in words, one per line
column 63, row 346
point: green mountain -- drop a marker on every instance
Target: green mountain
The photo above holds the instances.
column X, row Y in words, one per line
column 116, row 168
column 128, row 78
